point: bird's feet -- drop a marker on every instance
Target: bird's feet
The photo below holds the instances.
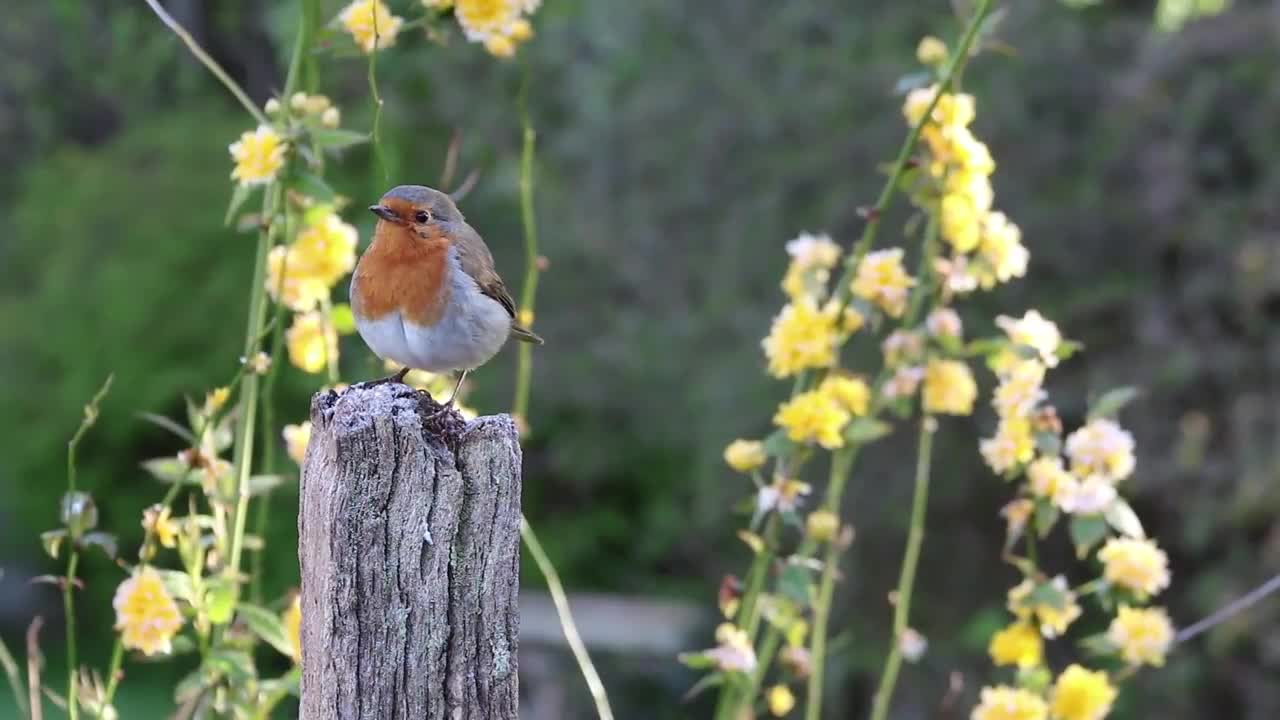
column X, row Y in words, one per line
column 397, row 378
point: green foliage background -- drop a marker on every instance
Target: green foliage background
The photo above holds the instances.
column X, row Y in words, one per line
column 681, row 144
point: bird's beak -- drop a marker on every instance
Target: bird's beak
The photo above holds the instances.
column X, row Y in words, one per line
column 385, row 213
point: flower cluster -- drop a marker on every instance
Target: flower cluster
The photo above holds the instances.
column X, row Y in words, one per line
column 370, row 24
column 146, row 614
column 501, row 25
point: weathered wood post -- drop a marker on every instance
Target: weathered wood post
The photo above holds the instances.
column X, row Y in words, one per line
column 409, row 540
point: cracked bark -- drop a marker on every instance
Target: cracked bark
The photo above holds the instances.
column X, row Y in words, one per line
column 409, row 540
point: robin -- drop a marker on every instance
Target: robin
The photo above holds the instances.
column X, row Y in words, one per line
column 425, row 295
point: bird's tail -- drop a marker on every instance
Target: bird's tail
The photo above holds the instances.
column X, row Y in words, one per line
column 525, row 335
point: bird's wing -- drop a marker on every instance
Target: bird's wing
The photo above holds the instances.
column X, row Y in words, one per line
column 478, row 263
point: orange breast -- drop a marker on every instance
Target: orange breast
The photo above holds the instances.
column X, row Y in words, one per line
column 403, row 272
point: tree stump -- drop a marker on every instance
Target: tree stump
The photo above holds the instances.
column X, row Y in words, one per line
column 409, row 541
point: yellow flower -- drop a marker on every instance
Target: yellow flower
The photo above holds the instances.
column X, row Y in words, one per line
column 1006, row 703
column 745, row 455
column 259, row 155
column 331, row 117
column 1019, row 644
column 1143, row 635
column 944, row 322
column 813, row 251
column 1020, row 389
column 1002, row 251
column 960, row 222
column 1034, row 331
column 1080, row 694
column 802, row 337
column 813, row 417
column 292, row 621
column 312, row 342
column 952, row 110
column 370, row 24
column 296, row 439
column 780, row 700
column 949, row 388
column 1046, row 475
column 1012, row 444
column 931, row 50
column 322, row 254
column 215, row 399
column 146, row 615
column 1053, row 621
column 156, row 520
column 484, row 19
column 850, row 393
column 1102, row 448
column 882, row 280
column 520, row 31
column 734, row 652
column 1138, row 565
column 1089, row 496
column 822, row 525
column 500, row 46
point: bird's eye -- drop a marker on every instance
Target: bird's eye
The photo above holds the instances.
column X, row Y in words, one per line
column 422, row 216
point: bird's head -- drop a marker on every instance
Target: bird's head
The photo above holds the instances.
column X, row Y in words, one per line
column 419, row 210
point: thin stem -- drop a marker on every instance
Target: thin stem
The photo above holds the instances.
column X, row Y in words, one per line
column 15, row 679
column 250, row 384
column 603, row 711
column 906, row 583
column 1230, row 609
column 68, row 607
column 208, row 62
column 90, row 417
column 528, row 292
column 764, row 659
column 113, row 672
column 377, row 102
column 269, row 419
column 954, row 66
column 840, row 466
column 748, row 616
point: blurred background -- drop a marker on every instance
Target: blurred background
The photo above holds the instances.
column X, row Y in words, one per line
column 680, row 145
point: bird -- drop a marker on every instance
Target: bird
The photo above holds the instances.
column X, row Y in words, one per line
column 425, row 293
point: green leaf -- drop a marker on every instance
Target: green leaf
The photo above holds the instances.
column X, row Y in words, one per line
column 170, row 470
column 313, row 186
column 220, row 601
column 779, row 445
column 793, row 583
column 337, row 139
column 171, row 426
column 238, row 197
column 1048, row 594
column 1111, row 402
column 52, row 540
column 263, row 484
column 1098, row 644
column 236, row 665
column 178, row 584
column 266, row 625
column 79, row 513
column 696, row 661
column 1120, row 515
column 342, row 319
column 864, row 430
column 1048, row 443
column 103, row 540
column 1046, row 516
column 1067, row 348
column 190, row 686
column 181, row 645
column 1087, row 531
column 985, row 346
column 706, row 683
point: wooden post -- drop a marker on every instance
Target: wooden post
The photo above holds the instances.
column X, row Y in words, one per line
column 409, row 541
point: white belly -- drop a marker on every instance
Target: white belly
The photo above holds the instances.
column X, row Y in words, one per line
column 472, row 329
